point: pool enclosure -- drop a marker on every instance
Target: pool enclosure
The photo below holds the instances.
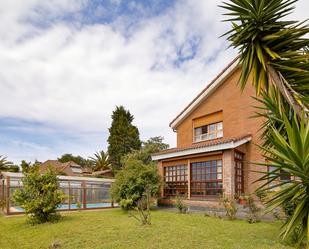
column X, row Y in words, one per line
column 80, row 192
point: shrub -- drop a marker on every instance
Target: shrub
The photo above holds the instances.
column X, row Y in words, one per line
column 253, row 214
column 230, row 207
column 143, row 208
column 79, row 205
column 134, row 187
column 39, row 196
column 2, row 204
column 180, row 205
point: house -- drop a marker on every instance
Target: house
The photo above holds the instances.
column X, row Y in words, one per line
column 69, row 168
column 216, row 137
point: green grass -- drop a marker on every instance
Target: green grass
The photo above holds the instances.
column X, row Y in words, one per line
column 114, row 229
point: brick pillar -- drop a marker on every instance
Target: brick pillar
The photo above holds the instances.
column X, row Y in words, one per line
column 161, row 172
column 228, row 163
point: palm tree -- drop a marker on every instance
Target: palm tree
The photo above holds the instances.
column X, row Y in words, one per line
column 100, row 161
column 289, row 154
column 273, row 51
column 4, row 163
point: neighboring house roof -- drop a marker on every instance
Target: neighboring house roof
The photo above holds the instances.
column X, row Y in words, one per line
column 209, row 89
column 202, row 147
column 59, row 165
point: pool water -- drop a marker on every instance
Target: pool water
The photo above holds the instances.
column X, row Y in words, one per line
column 74, row 206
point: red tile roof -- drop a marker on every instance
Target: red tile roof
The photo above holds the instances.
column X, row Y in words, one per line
column 59, row 165
column 203, row 144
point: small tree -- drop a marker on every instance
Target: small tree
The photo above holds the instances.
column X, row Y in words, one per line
column 149, row 147
column 134, row 187
column 180, row 205
column 253, row 210
column 39, row 196
column 229, row 205
column 123, row 136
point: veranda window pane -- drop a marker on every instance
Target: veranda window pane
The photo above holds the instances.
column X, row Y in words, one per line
column 72, row 187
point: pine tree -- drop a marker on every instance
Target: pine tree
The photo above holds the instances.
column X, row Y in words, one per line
column 123, row 136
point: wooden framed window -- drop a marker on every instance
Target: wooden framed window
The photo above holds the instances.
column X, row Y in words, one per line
column 206, row 178
column 284, row 176
column 208, row 132
column 176, row 180
column 239, row 173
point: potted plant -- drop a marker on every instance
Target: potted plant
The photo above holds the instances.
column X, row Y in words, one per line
column 242, row 199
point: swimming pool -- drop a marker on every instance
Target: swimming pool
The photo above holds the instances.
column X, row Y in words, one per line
column 72, row 206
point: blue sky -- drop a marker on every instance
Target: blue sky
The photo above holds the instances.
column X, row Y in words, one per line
column 66, row 64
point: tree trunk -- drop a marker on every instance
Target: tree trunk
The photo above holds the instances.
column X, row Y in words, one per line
column 279, row 83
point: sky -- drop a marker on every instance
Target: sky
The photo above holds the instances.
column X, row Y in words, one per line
column 66, row 64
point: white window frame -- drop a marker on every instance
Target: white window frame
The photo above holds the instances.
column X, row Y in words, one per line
column 209, row 135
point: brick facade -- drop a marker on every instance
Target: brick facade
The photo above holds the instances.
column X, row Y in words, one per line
column 236, row 109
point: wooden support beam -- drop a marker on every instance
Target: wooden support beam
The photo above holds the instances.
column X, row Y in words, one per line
column 189, row 178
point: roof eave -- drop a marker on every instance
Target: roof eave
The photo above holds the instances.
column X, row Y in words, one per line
column 205, row 93
column 212, row 148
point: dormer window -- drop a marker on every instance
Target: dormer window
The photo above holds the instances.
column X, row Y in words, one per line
column 208, row 132
column 76, row 169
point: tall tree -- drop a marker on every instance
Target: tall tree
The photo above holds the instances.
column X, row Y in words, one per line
column 275, row 53
column 100, row 161
column 123, row 136
column 69, row 157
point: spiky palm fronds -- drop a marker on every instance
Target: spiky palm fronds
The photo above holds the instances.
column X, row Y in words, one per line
column 271, row 107
column 4, row 163
column 100, row 161
column 272, row 50
column 290, row 154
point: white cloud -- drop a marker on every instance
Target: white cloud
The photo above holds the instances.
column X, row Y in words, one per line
column 73, row 76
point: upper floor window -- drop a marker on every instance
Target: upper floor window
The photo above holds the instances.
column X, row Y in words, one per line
column 207, row 132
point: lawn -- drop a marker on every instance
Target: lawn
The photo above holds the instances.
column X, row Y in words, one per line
column 114, row 229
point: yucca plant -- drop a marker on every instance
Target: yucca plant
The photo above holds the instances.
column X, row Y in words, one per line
column 289, row 155
column 272, row 50
column 271, row 107
column 275, row 53
column 100, row 161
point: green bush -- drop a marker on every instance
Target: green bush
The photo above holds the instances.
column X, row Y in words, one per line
column 39, row 196
column 180, row 205
column 131, row 183
column 135, row 185
column 253, row 214
column 230, row 207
